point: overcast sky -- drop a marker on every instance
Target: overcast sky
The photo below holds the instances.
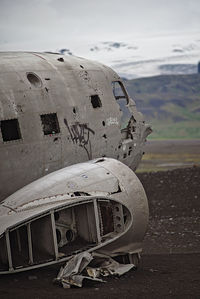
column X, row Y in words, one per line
column 43, row 24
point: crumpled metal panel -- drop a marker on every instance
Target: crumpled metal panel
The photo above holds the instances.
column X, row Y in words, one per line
column 85, row 177
column 79, row 268
column 103, row 198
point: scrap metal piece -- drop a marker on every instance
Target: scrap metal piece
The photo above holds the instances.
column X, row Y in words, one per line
column 107, row 266
column 70, row 274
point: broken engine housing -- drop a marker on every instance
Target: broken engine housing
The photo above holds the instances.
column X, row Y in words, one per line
column 98, row 206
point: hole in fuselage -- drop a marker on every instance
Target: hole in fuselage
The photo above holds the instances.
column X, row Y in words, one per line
column 10, row 129
column 96, row 102
column 61, row 59
column 129, row 152
column 50, row 124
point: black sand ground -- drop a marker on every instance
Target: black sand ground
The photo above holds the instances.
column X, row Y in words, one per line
column 170, row 266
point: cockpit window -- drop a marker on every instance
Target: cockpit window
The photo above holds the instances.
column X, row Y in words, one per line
column 10, row 130
column 119, row 91
column 121, row 97
column 50, row 124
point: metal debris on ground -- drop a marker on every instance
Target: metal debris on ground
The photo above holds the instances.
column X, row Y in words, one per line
column 86, row 266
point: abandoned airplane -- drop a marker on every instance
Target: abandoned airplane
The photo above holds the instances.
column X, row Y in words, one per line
column 66, row 126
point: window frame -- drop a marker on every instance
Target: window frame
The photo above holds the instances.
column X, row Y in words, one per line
column 98, row 100
column 17, row 130
column 42, row 116
column 126, row 96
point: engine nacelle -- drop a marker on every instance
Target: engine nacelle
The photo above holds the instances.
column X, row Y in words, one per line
column 96, row 206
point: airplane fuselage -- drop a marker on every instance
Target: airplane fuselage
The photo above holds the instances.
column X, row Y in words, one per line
column 58, row 110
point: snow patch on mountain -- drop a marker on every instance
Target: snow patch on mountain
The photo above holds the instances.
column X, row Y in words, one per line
column 144, row 57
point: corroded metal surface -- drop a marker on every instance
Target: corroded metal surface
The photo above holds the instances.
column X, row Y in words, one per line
column 58, row 110
column 96, row 206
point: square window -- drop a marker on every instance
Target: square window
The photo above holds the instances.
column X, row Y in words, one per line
column 95, row 100
column 10, row 130
column 50, row 124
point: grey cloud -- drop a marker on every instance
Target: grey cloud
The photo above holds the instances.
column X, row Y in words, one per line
column 57, row 20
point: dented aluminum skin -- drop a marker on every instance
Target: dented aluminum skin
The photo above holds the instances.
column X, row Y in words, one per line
column 73, row 96
column 98, row 206
column 56, row 111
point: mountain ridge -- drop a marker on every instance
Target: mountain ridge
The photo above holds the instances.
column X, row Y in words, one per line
column 170, row 103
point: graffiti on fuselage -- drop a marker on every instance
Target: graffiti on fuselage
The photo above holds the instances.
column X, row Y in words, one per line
column 80, row 134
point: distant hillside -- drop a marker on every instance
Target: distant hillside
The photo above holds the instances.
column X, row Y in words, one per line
column 170, row 103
